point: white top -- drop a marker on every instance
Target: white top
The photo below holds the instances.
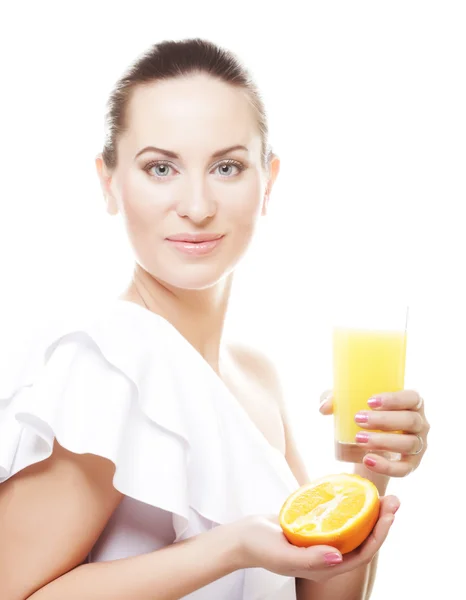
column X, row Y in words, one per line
column 124, row 384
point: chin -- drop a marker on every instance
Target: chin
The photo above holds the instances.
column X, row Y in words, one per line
column 194, row 277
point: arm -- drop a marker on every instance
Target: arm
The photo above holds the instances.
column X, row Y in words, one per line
column 381, row 483
column 353, row 585
column 73, row 498
column 167, row 574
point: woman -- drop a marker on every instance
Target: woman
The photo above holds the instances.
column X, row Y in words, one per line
column 145, row 458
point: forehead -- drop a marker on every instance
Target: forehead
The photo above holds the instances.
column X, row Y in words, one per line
column 186, row 112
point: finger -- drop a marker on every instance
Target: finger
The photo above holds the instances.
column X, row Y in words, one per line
column 314, row 557
column 388, row 507
column 404, row 400
column 296, row 559
column 396, row 420
column 389, row 504
column 366, row 552
column 393, row 442
column 391, row 468
column 368, row 549
column 326, row 402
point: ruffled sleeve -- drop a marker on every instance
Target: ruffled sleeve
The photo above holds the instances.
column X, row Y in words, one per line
column 126, row 386
column 91, row 406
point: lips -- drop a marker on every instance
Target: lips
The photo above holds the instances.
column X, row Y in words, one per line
column 195, row 244
column 195, row 238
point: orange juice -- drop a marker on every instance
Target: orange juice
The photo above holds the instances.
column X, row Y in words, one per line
column 365, row 363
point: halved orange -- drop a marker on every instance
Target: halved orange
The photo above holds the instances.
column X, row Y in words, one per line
column 336, row 510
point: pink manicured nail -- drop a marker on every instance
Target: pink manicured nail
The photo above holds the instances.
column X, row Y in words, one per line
column 361, row 417
column 362, row 437
column 375, row 402
column 370, row 461
column 332, row 558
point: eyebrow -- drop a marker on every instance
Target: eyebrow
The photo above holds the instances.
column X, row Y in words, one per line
column 171, row 154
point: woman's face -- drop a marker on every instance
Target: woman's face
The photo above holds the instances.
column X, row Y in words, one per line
column 189, row 181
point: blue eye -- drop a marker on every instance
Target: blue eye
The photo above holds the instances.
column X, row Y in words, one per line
column 162, row 169
column 225, row 168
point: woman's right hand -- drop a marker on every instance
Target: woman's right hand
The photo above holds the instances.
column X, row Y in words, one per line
column 264, row 545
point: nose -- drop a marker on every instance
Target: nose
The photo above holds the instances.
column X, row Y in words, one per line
column 196, row 202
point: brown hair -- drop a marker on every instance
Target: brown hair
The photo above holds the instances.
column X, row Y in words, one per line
column 170, row 59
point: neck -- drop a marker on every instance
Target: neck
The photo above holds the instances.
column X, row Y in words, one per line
column 199, row 315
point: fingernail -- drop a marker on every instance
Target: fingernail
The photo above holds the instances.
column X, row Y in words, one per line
column 375, row 402
column 370, row 461
column 333, row 558
column 361, row 417
column 325, row 399
column 396, row 509
column 362, row 437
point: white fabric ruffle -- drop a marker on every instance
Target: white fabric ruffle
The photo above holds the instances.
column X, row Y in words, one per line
column 127, row 386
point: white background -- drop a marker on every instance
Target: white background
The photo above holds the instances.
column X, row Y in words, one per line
column 367, row 111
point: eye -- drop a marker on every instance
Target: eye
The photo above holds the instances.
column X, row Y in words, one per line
column 161, row 169
column 230, row 168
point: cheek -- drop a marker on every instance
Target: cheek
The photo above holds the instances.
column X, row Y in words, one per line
column 246, row 207
column 138, row 207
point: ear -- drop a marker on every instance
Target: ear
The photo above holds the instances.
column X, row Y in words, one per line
column 274, row 169
column 105, row 178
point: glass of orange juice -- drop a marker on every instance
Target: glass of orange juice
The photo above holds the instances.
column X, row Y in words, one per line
column 369, row 356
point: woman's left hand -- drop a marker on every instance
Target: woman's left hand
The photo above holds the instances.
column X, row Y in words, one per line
column 399, row 411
